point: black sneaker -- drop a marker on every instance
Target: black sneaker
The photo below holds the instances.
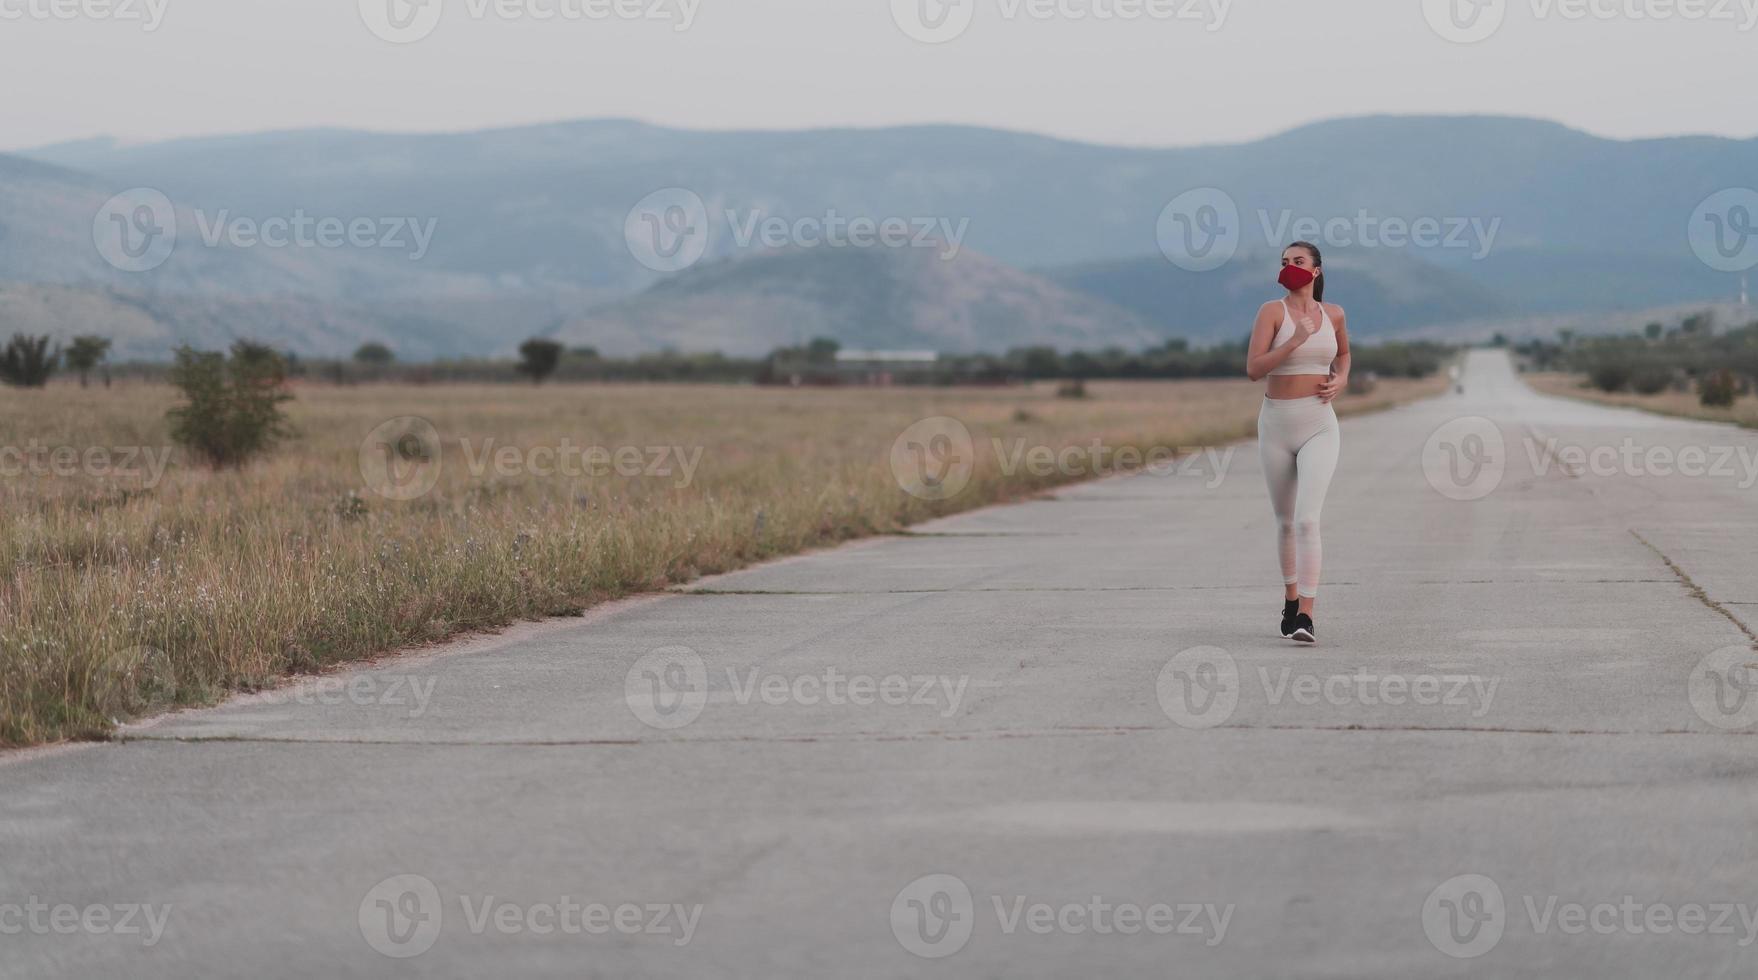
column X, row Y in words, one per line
column 1304, row 630
column 1290, row 609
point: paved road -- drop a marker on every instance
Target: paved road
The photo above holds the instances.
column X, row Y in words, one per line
column 1052, row 739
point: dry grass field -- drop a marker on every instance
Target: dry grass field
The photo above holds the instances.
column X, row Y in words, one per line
column 1683, row 404
column 134, row 581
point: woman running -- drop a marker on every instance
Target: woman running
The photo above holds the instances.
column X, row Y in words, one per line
column 1301, row 344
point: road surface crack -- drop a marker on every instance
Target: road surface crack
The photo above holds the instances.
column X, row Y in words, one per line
column 1696, row 590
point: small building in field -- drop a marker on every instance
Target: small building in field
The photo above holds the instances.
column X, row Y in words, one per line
column 885, row 367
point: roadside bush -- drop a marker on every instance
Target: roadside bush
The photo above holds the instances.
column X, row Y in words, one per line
column 27, row 361
column 1718, row 389
column 233, row 405
column 1651, row 379
column 1610, row 374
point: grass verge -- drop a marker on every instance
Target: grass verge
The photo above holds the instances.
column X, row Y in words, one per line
column 1679, row 404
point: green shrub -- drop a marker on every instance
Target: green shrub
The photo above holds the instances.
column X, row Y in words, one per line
column 233, row 409
column 27, row 361
column 1718, row 389
column 1610, row 374
column 86, row 353
column 1651, row 379
column 538, row 358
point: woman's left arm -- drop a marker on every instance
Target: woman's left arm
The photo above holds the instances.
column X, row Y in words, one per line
column 1338, row 382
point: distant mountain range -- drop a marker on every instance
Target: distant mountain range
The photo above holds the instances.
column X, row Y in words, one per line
column 1059, row 239
column 863, row 297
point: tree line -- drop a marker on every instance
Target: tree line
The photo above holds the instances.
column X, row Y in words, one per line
column 1688, row 356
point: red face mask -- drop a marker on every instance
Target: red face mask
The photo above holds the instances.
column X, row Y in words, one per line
column 1294, row 278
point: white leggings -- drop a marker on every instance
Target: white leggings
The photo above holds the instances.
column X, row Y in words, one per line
column 1298, row 441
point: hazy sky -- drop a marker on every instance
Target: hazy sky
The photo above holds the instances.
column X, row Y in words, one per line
column 1148, row 72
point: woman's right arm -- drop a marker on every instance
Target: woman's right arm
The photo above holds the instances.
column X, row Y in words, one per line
column 1260, row 357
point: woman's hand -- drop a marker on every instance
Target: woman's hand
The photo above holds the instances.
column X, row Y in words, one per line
column 1304, row 328
column 1331, row 387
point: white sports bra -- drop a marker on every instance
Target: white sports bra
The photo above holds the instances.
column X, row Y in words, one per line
column 1313, row 357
